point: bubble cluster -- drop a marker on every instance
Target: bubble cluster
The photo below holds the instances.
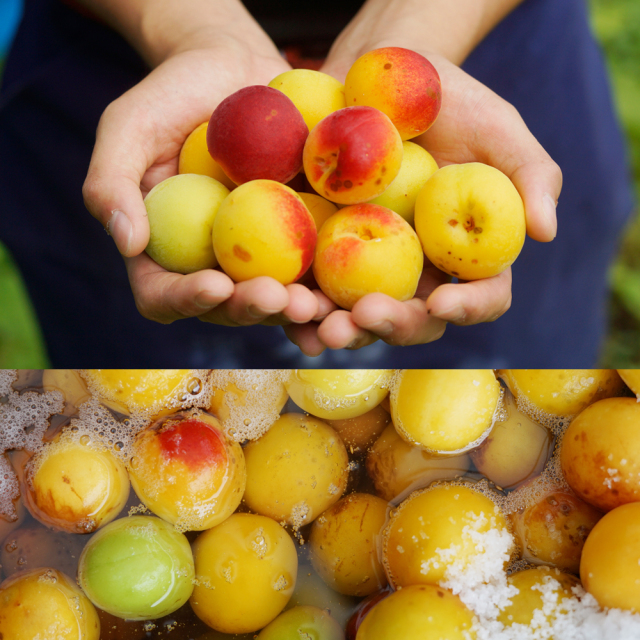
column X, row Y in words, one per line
column 24, row 420
column 249, row 401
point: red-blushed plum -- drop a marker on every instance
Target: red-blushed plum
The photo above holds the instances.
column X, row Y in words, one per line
column 365, row 249
column 264, row 229
column 257, row 133
column 188, row 471
column 401, row 83
column 352, row 155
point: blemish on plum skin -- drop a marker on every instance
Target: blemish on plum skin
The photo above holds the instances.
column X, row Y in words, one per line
column 378, row 181
column 453, row 222
column 348, row 184
column 474, row 261
column 477, row 230
column 241, row 254
column 388, row 65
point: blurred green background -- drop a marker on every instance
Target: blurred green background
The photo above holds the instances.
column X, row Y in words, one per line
column 617, row 25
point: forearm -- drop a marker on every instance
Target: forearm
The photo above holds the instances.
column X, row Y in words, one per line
column 451, row 28
column 158, row 29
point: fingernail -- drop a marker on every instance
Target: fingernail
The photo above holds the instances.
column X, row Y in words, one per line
column 257, row 312
column 549, row 210
column 205, row 300
column 120, row 229
column 353, row 344
column 383, row 328
column 455, row 313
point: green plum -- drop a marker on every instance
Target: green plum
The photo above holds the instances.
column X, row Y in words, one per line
column 303, row 622
column 137, row 568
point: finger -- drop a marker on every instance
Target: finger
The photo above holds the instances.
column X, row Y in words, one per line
column 302, row 308
column 338, row 331
column 397, row 323
column 305, row 337
column 252, row 302
column 325, row 305
column 472, row 302
column 164, row 296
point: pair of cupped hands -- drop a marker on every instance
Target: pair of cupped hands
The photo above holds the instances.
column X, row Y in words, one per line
column 138, row 143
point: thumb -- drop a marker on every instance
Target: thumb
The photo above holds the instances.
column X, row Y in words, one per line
column 111, row 189
column 539, row 181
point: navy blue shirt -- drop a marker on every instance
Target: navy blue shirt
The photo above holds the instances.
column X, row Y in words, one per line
column 64, row 69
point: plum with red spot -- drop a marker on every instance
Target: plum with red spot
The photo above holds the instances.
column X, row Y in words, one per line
column 263, row 228
column 352, row 155
column 399, row 82
column 364, row 249
column 257, row 133
column 188, row 471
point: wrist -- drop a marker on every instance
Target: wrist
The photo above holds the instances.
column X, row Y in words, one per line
column 449, row 28
column 159, row 29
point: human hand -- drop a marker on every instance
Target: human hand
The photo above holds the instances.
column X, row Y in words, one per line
column 138, row 143
column 474, row 125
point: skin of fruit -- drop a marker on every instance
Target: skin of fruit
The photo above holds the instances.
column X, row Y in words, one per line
column 399, row 82
column 138, row 568
column 352, row 155
column 264, row 229
column 444, row 411
column 553, row 529
column 417, row 167
column 470, row 220
column 314, row 93
column 338, row 394
column 152, row 391
column 416, row 612
column 343, row 543
column 433, row 519
column 195, row 158
column 296, row 470
column 600, row 453
column 610, row 564
column 76, row 487
column 186, row 470
column 181, row 211
column 247, row 559
column 395, row 466
column 524, row 604
column 295, row 623
column 367, row 248
column 562, row 392
column 48, row 605
column 257, row 133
